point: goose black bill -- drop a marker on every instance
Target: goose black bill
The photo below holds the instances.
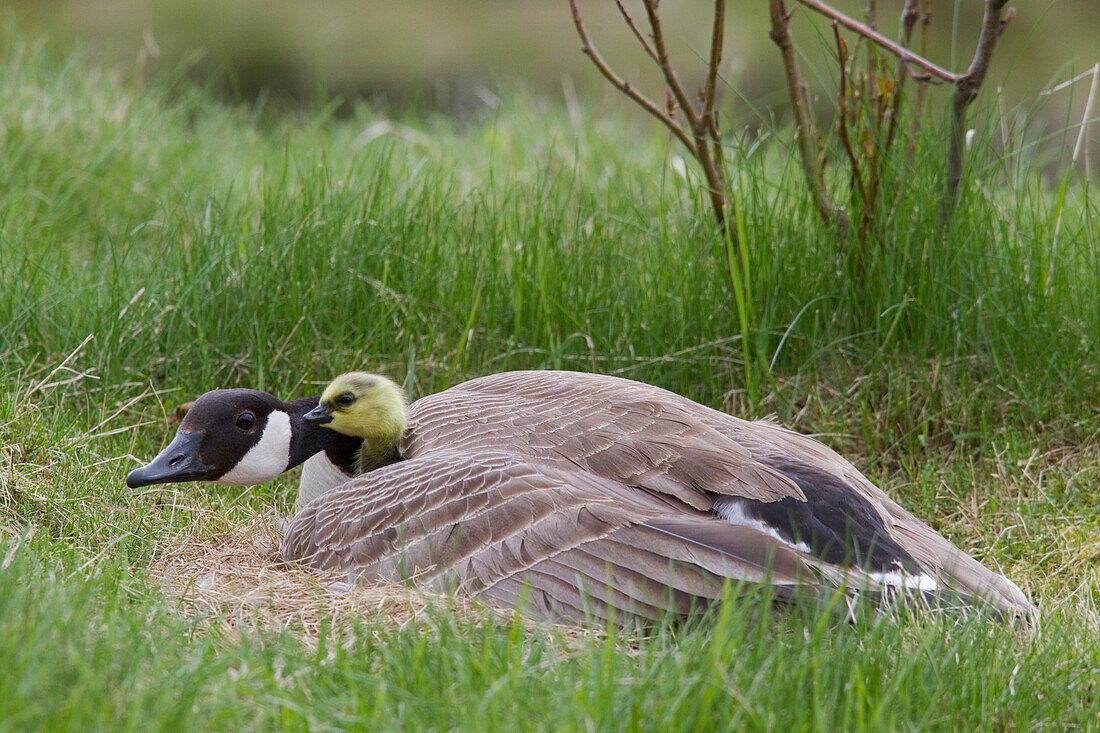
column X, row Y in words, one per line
column 319, row 414
column 178, row 462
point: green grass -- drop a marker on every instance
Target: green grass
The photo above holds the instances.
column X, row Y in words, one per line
column 205, row 246
column 103, row 652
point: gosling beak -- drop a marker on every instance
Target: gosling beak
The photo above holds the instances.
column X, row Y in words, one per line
column 319, row 414
column 178, row 462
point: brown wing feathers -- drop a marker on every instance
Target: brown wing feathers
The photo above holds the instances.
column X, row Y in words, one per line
column 488, row 522
column 624, row 435
column 592, row 495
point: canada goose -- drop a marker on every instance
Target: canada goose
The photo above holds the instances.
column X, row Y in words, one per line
column 587, row 494
column 243, row 437
column 610, row 459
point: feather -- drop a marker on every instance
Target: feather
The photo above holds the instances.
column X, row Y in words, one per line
column 591, row 496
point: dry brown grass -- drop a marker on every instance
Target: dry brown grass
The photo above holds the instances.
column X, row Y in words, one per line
column 18, row 481
column 235, row 580
column 1041, row 504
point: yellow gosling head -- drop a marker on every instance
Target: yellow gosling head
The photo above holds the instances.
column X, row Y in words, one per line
column 366, row 406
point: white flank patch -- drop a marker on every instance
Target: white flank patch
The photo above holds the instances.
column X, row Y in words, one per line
column 734, row 513
column 906, row 580
column 267, row 459
column 319, row 474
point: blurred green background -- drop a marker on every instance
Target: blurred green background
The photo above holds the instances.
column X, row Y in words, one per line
column 451, row 55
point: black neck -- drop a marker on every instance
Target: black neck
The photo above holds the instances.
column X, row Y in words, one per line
column 344, row 453
column 309, row 438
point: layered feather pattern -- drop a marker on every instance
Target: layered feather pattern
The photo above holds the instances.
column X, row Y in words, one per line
column 587, row 495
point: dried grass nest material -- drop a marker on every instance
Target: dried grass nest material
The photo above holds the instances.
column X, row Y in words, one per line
column 234, row 579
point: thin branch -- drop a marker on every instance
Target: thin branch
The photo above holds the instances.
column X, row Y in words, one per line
column 703, row 139
column 871, row 34
column 909, row 15
column 700, row 121
column 799, row 94
column 637, row 33
column 895, row 107
column 713, row 161
column 966, row 89
column 926, row 27
column 713, row 164
column 719, row 161
column 918, row 105
column 871, row 86
column 716, row 41
column 842, row 123
column 665, row 64
column 712, row 126
column 992, row 27
column 624, row 86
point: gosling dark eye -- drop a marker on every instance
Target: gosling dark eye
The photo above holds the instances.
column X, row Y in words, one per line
column 245, row 421
column 345, row 400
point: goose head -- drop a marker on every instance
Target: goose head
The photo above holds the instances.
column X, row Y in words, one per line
column 366, row 406
column 239, row 437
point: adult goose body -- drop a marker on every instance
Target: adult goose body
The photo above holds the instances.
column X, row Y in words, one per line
column 581, row 495
column 594, row 494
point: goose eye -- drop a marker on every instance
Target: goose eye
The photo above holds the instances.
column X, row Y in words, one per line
column 345, row 400
column 246, row 420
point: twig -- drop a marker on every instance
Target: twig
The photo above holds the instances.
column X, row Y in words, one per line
column 672, row 81
column 799, row 94
column 637, row 33
column 909, row 15
column 716, row 41
column 966, row 84
column 872, row 35
column 842, row 123
column 918, row 105
column 713, row 164
column 701, row 136
column 700, row 122
column 624, row 86
column 966, row 89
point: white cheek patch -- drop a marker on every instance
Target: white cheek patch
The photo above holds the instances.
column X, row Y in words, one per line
column 267, row 459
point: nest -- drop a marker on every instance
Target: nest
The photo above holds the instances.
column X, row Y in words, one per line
column 235, row 580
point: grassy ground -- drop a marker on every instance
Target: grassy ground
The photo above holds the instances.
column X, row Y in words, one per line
column 199, row 246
